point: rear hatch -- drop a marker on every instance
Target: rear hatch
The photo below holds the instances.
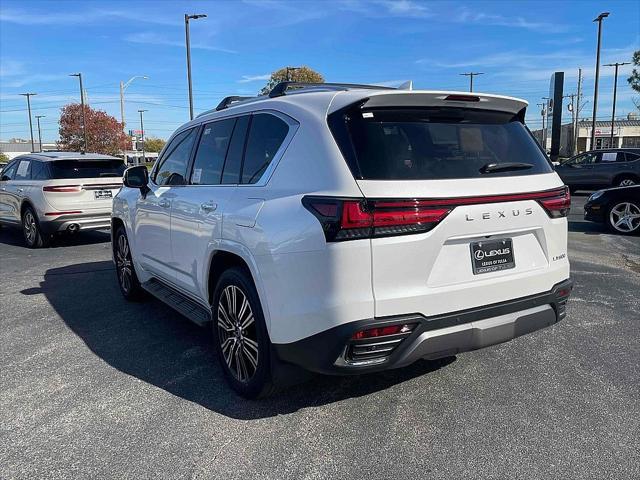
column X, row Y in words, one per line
column 83, row 185
column 464, row 209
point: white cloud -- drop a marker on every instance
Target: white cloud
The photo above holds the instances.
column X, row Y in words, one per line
column 153, row 38
column 51, row 17
column 383, row 8
column 9, row 68
column 465, row 15
column 254, row 78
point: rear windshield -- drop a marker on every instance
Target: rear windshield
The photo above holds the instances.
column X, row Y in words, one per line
column 435, row 143
column 86, row 168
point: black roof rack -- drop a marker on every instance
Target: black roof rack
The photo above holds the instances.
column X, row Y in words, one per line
column 282, row 87
column 226, row 101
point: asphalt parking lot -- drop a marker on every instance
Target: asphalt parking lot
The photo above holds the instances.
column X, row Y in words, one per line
column 92, row 386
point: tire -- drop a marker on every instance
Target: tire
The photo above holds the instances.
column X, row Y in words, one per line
column 240, row 335
column 31, row 231
column 125, row 271
column 626, row 181
column 623, row 217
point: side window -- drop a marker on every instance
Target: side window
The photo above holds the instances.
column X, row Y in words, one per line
column 39, row 170
column 23, row 172
column 233, row 162
column 173, row 167
column 632, row 157
column 214, row 142
column 9, row 171
column 266, row 134
column 611, row 157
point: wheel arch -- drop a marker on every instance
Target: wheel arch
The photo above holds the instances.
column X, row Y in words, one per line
column 620, row 176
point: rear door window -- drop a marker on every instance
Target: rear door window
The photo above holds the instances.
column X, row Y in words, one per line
column 39, row 170
column 436, row 143
column 233, row 162
column 86, row 168
column 266, row 134
column 212, row 150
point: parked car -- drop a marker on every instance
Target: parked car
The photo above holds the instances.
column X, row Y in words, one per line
column 618, row 167
column 50, row 192
column 348, row 229
column 618, row 208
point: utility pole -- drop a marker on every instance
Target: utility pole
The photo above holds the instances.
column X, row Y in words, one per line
column 572, row 109
column 615, row 92
column 471, row 75
column 29, row 95
column 188, row 43
column 38, row 117
column 578, row 109
column 123, row 87
column 144, row 160
column 84, row 126
column 599, row 19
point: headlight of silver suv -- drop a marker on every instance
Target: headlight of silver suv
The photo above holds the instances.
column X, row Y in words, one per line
column 595, row 195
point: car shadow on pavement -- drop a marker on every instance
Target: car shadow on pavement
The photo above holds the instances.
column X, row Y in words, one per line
column 13, row 237
column 151, row 342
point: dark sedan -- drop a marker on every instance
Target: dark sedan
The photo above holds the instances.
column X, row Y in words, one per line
column 619, row 208
column 616, row 167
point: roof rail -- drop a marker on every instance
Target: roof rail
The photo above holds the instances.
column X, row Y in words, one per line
column 281, row 88
column 226, row 101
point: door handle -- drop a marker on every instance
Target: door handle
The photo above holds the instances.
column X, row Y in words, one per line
column 208, row 207
column 164, row 203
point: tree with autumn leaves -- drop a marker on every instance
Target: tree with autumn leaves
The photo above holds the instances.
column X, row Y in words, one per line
column 104, row 133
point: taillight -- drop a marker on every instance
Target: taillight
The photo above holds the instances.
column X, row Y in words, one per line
column 62, row 188
column 347, row 219
column 557, row 205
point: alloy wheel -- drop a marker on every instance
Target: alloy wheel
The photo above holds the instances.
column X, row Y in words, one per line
column 237, row 333
column 627, row 182
column 625, row 217
column 123, row 264
column 30, row 227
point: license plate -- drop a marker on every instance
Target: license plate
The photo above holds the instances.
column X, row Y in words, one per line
column 100, row 194
column 492, row 256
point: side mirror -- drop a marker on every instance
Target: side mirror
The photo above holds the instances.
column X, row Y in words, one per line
column 136, row 177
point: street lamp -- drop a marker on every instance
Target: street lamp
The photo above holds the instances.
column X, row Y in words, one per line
column 186, row 31
column 144, row 160
column 123, row 87
column 38, row 117
column 615, row 92
column 84, row 128
column 29, row 95
column 598, row 19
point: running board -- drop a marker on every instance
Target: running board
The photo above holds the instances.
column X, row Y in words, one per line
column 179, row 302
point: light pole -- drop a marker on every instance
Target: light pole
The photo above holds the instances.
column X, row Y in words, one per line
column 615, row 92
column 186, row 33
column 289, row 70
column 471, row 75
column 599, row 19
column 123, row 88
column 38, row 117
column 144, row 160
column 546, row 115
column 29, row 95
column 84, row 127
column 543, row 112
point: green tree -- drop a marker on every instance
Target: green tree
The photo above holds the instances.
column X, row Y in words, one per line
column 153, row 144
column 634, row 79
column 3, row 158
column 293, row 74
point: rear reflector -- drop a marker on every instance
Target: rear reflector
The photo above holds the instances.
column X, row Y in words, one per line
column 350, row 219
column 384, row 331
column 62, row 188
column 53, row 214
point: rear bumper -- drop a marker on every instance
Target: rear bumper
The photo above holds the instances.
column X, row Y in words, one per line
column 329, row 352
column 92, row 221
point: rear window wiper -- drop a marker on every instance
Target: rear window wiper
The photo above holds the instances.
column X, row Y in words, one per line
column 505, row 167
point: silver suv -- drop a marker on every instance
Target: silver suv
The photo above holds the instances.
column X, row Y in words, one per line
column 50, row 192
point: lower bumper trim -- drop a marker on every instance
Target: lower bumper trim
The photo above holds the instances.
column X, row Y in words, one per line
column 434, row 337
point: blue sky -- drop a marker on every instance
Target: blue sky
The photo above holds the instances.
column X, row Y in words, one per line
column 517, row 44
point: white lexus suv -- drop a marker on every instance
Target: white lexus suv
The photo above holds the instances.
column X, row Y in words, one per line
column 348, row 229
column 51, row 192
